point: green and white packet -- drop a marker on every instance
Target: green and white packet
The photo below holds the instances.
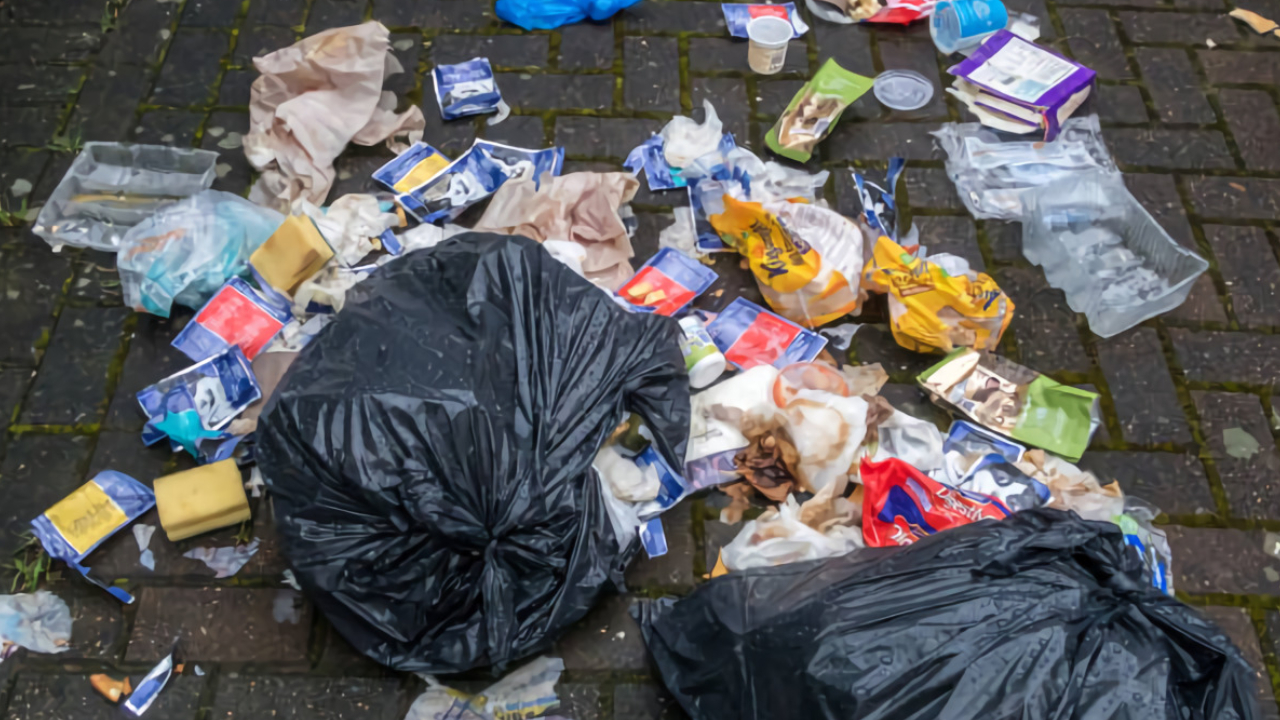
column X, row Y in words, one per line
column 815, row 110
column 1015, row 401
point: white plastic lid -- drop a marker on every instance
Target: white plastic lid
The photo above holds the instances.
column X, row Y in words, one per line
column 707, row 370
column 903, row 89
column 769, row 31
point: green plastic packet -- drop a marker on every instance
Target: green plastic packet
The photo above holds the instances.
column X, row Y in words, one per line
column 815, row 110
column 1015, row 401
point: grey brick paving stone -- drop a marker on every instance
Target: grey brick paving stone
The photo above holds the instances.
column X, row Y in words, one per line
column 28, row 85
column 338, row 658
column 355, row 174
column 71, row 697
column 220, row 624
column 875, row 344
column 1202, row 304
column 850, row 46
column 108, row 103
column 124, row 452
column 931, row 188
column 1174, row 27
column 580, row 701
column 277, row 12
column 327, row 14
column 645, row 702
column 28, row 125
column 142, row 33
column 522, row 131
column 33, row 279
column 1248, row 266
column 210, row 13
column 874, row 141
column 45, row 468
column 97, row 622
column 70, row 12
column 1174, row 482
column 1235, row 198
column 773, row 96
column 602, row 137
column 587, row 46
column 1233, row 67
column 512, row 51
column 236, row 86
column 21, row 164
column 1251, row 115
column 1044, row 325
column 1004, row 240
column 1186, row 149
column 717, row 535
column 674, row 16
column 13, row 386
column 1252, row 482
column 729, row 97
column 44, row 44
column 1215, row 560
column 254, row 696
column 1093, row 40
column 176, row 128
column 258, row 40
column 192, row 68
column 652, row 69
column 1270, row 640
column 151, row 357
column 544, row 92
column 1171, row 80
column 70, row 386
column 1119, row 104
column 1227, row 357
column 1238, row 626
column 955, row 235
column 675, row 569
column 606, row 639
column 1142, row 389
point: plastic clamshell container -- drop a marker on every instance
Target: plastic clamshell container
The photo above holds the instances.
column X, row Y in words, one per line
column 1065, row 216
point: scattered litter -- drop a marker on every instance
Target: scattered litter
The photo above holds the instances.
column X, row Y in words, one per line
column 902, row 505
column 20, row 188
column 476, row 175
column 1014, row 401
column 225, row 561
column 1240, row 443
column 957, row 25
column 142, row 535
column 311, row 99
column 769, row 36
column 411, row 168
column 39, row 622
column 467, row 88
column 1097, row 243
column 287, row 606
column 1259, row 24
column 1209, row 43
column 685, row 140
column 806, row 260
column 232, row 141
column 893, row 12
column 580, row 207
column 715, row 437
column 236, row 315
column 970, row 618
column 994, row 174
column 1020, row 87
column 903, row 90
column 150, row 686
column 528, row 691
column 627, row 480
column 206, row 498
column 814, row 111
column 825, row 526
column 186, row 252
column 194, row 404
column 938, row 303
column 749, row 335
column 110, row 187
column 681, row 234
column 512, row 320
column 667, row 283
column 111, row 688
column 737, row 17
column 288, row 579
column 841, row 336
column 543, row 15
column 293, row 253
column 198, row 671
column 76, row 525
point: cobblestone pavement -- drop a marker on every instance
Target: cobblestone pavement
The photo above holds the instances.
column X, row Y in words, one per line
column 1194, row 128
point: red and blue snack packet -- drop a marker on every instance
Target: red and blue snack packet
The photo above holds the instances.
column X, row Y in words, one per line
column 901, row 505
column 236, row 315
column 667, row 283
column 749, row 335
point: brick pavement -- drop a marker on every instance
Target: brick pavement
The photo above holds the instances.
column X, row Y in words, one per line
column 1194, row 128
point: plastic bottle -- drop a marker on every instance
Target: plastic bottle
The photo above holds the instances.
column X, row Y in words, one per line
column 702, row 358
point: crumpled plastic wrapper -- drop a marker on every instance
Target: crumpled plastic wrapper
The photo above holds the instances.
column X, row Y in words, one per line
column 225, row 561
column 349, row 225
column 1073, row 488
column 39, row 622
column 824, row 526
column 579, row 207
column 313, row 98
column 526, row 692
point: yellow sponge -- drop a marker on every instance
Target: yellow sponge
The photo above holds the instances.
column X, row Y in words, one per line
column 197, row 501
column 293, row 253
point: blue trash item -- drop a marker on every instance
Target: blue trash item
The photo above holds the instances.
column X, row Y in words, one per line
column 196, row 403
column 75, row 526
column 551, row 14
column 186, row 252
column 467, row 88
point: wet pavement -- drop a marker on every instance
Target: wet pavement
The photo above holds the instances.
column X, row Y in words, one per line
column 1194, row 128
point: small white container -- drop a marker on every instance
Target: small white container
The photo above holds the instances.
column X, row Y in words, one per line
column 702, row 358
column 768, row 39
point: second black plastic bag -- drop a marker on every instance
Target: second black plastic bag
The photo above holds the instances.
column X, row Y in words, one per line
column 1042, row 615
column 429, row 453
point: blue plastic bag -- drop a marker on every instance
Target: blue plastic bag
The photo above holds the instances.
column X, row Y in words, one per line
column 551, row 14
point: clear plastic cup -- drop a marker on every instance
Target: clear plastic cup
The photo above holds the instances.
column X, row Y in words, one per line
column 769, row 37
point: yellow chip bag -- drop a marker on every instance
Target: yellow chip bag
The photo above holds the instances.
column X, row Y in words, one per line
column 806, row 259
column 931, row 310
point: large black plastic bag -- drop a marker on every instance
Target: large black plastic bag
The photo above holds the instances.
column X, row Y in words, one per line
column 1042, row 615
column 430, row 452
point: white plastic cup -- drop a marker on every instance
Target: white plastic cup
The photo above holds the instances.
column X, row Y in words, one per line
column 702, row 358
column 768, row 37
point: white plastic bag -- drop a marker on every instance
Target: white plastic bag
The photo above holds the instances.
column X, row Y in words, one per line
column 684, row 140
column 779, row 537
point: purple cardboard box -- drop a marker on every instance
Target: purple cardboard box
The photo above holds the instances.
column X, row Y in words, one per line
column 1025, row 83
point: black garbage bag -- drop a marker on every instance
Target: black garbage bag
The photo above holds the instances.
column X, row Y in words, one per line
column 1042, row 615
column 429, row 453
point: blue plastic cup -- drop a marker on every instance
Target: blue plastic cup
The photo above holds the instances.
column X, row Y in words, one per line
column 959, row 24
